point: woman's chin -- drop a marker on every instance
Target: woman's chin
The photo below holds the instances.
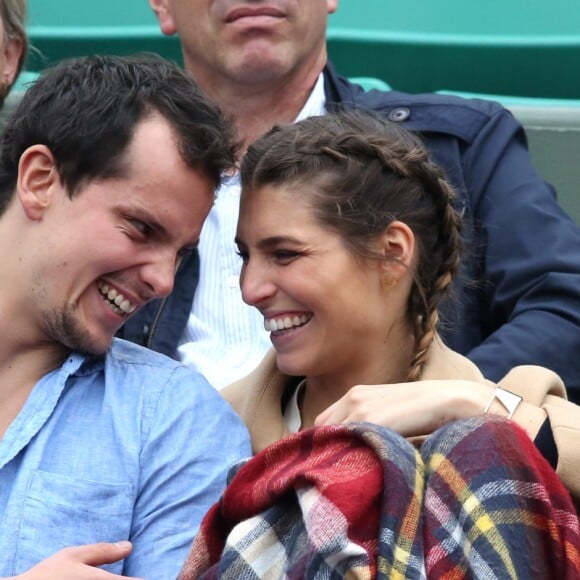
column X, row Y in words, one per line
column 291, row 365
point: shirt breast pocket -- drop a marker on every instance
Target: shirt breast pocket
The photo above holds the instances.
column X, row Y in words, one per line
column 60, row 511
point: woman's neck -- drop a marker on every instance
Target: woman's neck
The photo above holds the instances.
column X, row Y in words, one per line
column 323, row 390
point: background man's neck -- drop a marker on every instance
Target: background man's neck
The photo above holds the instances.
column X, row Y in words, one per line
column 255, row 109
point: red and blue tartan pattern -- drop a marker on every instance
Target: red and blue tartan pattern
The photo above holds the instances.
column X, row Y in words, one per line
column 359, row 501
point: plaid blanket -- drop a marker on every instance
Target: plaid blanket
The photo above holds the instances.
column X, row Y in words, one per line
column 358, row 501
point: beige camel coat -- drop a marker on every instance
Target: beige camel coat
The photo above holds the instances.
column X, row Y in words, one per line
column 257, row 399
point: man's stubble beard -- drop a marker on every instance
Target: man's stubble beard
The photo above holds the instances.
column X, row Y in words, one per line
column 64, row 328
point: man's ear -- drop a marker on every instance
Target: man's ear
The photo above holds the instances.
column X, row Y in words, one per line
column 331, row 6
column 37, row 178
column 164, row 16
column 397, row 244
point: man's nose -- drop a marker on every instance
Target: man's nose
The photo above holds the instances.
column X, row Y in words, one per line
column 159, row 274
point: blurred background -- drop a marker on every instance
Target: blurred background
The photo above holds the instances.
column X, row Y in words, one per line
column 511, row 47
column 523, row 53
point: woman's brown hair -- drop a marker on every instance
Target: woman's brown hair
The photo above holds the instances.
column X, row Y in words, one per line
column 362, row 173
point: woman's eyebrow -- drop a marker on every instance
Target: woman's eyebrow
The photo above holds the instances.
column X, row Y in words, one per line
column 273, row 241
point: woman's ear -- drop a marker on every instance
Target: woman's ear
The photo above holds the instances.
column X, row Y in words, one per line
column 397, row 244
column 37, row 178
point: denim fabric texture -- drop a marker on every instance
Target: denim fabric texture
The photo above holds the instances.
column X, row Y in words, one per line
column 130, row 446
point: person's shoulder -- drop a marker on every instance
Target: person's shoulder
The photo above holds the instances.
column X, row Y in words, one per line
column 533, row 383
column 433, row 113
column 124, row 352
column 135, row 375
column 144, row 366
column 453, row 115
column 429, row 102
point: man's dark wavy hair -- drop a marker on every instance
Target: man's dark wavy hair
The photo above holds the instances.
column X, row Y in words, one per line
column 85, row 111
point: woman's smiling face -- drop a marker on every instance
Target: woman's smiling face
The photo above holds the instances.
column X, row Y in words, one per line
column 326, row 309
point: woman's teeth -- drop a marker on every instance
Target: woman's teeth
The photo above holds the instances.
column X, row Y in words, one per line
column 285, row 322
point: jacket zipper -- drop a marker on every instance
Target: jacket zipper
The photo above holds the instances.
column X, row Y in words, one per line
column 155, row 322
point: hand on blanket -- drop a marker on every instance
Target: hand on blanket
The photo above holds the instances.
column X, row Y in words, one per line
column 411, row 409
column 78, row 563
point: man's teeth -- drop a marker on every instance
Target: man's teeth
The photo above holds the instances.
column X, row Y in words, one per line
column 285, row 322
column 116, row 299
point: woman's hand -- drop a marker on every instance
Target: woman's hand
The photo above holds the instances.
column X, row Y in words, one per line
column 412, row 409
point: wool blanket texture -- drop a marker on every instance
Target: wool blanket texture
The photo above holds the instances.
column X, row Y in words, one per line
column 358, row 501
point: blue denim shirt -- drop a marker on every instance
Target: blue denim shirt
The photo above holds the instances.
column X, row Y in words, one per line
column 131, row 446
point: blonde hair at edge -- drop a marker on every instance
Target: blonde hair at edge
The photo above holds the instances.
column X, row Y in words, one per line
column 368, row 173
column 13, row 14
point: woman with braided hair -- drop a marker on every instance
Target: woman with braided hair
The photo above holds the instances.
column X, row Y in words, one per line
column 379, row 451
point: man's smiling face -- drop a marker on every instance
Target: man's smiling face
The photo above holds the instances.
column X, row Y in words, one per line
column 115, row 245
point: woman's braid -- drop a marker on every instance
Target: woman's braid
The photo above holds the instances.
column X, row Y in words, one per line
column 431, row 283
column 433, row 280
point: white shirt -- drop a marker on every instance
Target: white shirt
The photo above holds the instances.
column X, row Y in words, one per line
column 292, row 414
column 225, row 338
